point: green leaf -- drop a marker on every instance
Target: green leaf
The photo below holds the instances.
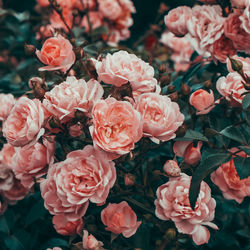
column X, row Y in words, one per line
column 3, row 225
column 91, row 49
column 234, row 134
column 54, row 242
column 207, row 165
column 13, row 243
column 246, row 149
column 36, row 212
column 103, row 30
column 192, row 135
column 242, row 166
column 246, row 102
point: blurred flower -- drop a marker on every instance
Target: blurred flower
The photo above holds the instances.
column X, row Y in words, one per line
column 89, row 242
column 7, row 102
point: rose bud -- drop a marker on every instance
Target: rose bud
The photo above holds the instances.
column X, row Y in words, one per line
column 185, row 89
column 29, row 49
column 89, row 242
column 202, row 101
column 237, row 65
column 129, row 179
column 171, row 168
column 75, row 130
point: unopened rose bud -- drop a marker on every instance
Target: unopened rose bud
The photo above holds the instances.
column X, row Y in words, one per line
column 185, row 89
column 236, row 64
column 174, row 96
column 38, row 86
column 29, row 49
column 165, row 80
column 129, row 179
column 181, row 131
column 79, row 52
column 162, row 68
column 171, row 89
column 208, row 84
column 75, row 130
column 170, row 233
column 79, row 115
column 54, row 123
column 193, row 154
column 171, row 168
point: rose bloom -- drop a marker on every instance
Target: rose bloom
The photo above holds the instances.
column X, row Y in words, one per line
column 222, row 48
column 205, row 27
column 233, row 30
column 56, row 21
column 122, row 67
column 245, row 19
column 120, row 218
column 72, row 95
column 24, row 124
column 176, row 20
column 161, row 117
column 245, row 64
column 186, row 149
column 202, row 101
column 229, row 182
column 57, row 53
column 172, row 203
column 64, row 226
column 110, row 9
column 89, row 242
column 115, row 36
column 94, row 18
column 6, row 155
column 231, row 87
column 239, row 3
column 75, row 130
column 7, row 101
column 116, row 126
column 31, row 162
column 7, row 178
column 85, row 175
column 171, row 168
column 84, row 4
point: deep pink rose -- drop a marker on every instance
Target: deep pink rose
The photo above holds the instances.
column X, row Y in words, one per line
column 186, row 149
column 245, row 64
column 24, row 124
column 65, row 226
column 171, row 168
column 31, row 162
column 116, row 126
column 89, row 242
column 233, row 30
column 161, row 117
column 172, row 203
column 205, row 27
column 7, row 102
column 229, row 182
column 120, row 218
column 94, row 18
column 72, row 95
column 110, row 9
column 57, row 53
column 122, row 67
column 202, row 101
column 176, row 20
column 245, row 19
column 231, row 87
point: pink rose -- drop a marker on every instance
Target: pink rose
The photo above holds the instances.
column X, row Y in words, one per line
column 94, row 18
column 231, row 87
column 85, row 175
column 56, row 21
column 45, row 32
column 233, row 30
column 229, row 182
column 239, row 3
column 7, row 101
column 65, row 226
column 245, row 64
column 120, row 218
column 57, row 53
column 185, row 149
column 245, row 19
column 172, row 203
column 24, row 124
column 115, row 36
column 161, row 117
column 122, row 67
column 205, row 27
column 84, row 4
column 202, row 101
column 171, row 168
column 89, row 242
column 116, row 126
column 7, row 178
column 6, row 155
column 110, row 9
column 176, row 20
column 31, row 162
column 72, row 95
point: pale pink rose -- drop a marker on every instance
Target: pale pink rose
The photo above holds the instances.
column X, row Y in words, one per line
column 7, row 101
column 122, row 67
column 7, row 178
column 172, row 203
column 161, row 117
column 65, row 226
column 231, row 87
column 185, row 149
column 239, row 3
column 202, row 101
column 72, row 95
column 6, row 155
column 110, row 9
column 233, row 30
column 45, row 32
column 115, row 36
column 89, row 242
column 120, row 219
column 31, row 162
column 229, row 182
column 245, row 19
column 84, row 4
column 56, row 21
column 94, row 18
column 205, row 27
column 171, row 168
column 116, row 126
column 86, row 175
column 176, row 20
column 245, row 64
column 24, row 124
column 75, row 130
column 57, row 53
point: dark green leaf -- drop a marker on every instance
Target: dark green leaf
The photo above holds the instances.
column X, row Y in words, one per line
column 91, row 49
column 192, row 135
column 191, row 72
column 242, row 166
column 246, row 149
column 207, row 165
column 103, row 30
column 3, row 225
column 54, row 242
column 234, row 134
column 36, row 212
column 246, row 102
column 13, row 243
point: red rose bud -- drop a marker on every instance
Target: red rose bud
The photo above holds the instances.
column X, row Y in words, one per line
column 193, row 154
column 129, row 179
column 171, row 168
